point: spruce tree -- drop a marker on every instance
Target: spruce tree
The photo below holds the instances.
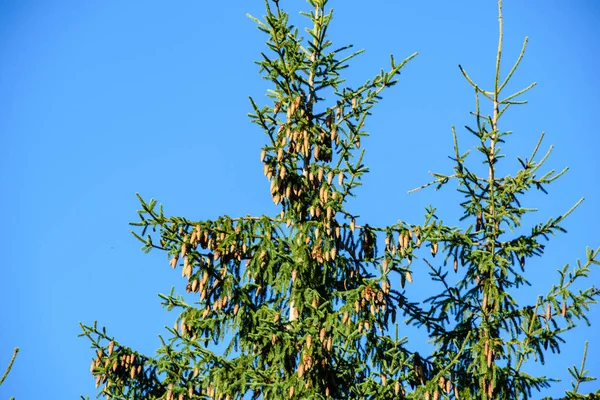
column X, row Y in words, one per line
column 310, row 303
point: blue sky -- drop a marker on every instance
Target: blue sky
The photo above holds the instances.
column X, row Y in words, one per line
column 103, row 99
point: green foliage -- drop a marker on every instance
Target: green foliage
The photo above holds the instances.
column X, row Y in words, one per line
column 581, row 375
column 304, row 301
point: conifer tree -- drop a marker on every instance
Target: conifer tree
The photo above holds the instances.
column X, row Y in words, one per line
column 310, row 303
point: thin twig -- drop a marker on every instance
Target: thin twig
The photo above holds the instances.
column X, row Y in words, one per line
column 12, row 360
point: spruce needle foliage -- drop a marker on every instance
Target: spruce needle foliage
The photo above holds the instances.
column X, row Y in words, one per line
column 310, row 303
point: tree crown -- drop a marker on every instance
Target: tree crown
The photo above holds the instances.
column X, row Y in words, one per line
column 306, row 302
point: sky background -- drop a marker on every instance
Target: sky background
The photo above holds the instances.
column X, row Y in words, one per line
column 103, row 99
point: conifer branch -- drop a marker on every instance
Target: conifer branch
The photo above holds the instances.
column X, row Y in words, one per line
column 10, row 364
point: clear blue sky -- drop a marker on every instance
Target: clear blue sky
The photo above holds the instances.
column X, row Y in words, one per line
column 102, row 99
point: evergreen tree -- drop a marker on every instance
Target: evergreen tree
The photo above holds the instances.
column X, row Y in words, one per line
column 308, row 303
